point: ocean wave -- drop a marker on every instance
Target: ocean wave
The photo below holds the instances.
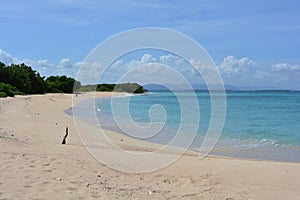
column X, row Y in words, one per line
column 269, row 141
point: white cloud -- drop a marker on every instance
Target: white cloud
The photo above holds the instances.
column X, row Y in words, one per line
column 40, row 65
column 204, row 69
column 44, row 67
column 238, row 72
column 147, row 58
column 260, row 74
column 88, row 73
column 148, row 67
column 244, row 72
column 285, row 67
column 148, row 72
column 154, row 68
column 65, row 62
column 233, row 66
column 6, row 58
column 171, row 60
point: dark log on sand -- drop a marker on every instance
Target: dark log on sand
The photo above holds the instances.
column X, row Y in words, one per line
column 66, row 135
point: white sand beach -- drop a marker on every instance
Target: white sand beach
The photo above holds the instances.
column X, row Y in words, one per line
column 35, row 165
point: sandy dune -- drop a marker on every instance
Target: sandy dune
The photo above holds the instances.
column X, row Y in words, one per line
column 34, row 165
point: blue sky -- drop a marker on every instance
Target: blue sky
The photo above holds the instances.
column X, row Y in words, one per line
column 254, row 43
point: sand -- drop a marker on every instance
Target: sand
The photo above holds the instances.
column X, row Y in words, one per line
column 35, row 165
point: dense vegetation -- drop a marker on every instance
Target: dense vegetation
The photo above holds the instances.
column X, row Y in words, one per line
column 61, row 84
column 22, row 79
column 123, row 87
column 6, row 90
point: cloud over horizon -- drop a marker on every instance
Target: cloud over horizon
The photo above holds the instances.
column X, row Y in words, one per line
column 285, row 67
column 234, row 71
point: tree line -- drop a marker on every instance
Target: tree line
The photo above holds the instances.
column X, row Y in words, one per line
column 20, row 79
column 109, row 87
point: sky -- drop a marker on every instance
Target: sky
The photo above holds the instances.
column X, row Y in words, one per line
column 253, row 43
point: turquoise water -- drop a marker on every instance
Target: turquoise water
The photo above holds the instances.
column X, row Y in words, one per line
column 258, row 124
column 264, row 116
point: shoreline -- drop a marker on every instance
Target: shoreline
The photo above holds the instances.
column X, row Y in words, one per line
column 35, row 165
column 265, row 152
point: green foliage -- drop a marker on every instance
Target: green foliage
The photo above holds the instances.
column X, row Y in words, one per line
column 139, row 90
column 105, row 87
column 61, row 84
column 87, row 88
column 6, row 90
column 3, row 94
column 123, row 87
column 129, row 87
column 23, row 78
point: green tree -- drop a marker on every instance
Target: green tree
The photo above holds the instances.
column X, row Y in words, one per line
column 23, row 78
column 61, row 84
column 6, row 90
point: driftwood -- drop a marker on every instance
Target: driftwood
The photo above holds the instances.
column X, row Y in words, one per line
column 66, row 135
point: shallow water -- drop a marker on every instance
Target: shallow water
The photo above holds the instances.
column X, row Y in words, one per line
column 258, row 125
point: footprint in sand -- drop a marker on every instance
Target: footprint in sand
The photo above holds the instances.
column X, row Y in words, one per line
column 185, row 182
column 33, row 161
column 28, row 177
column 27, row 186
column 96, row 196
column 192, row 195
column 72, row 189
column 58, row 162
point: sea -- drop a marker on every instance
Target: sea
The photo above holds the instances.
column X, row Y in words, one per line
column 260, row 125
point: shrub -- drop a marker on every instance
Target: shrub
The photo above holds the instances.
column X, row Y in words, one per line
column 3, row 94
column 6, row 90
